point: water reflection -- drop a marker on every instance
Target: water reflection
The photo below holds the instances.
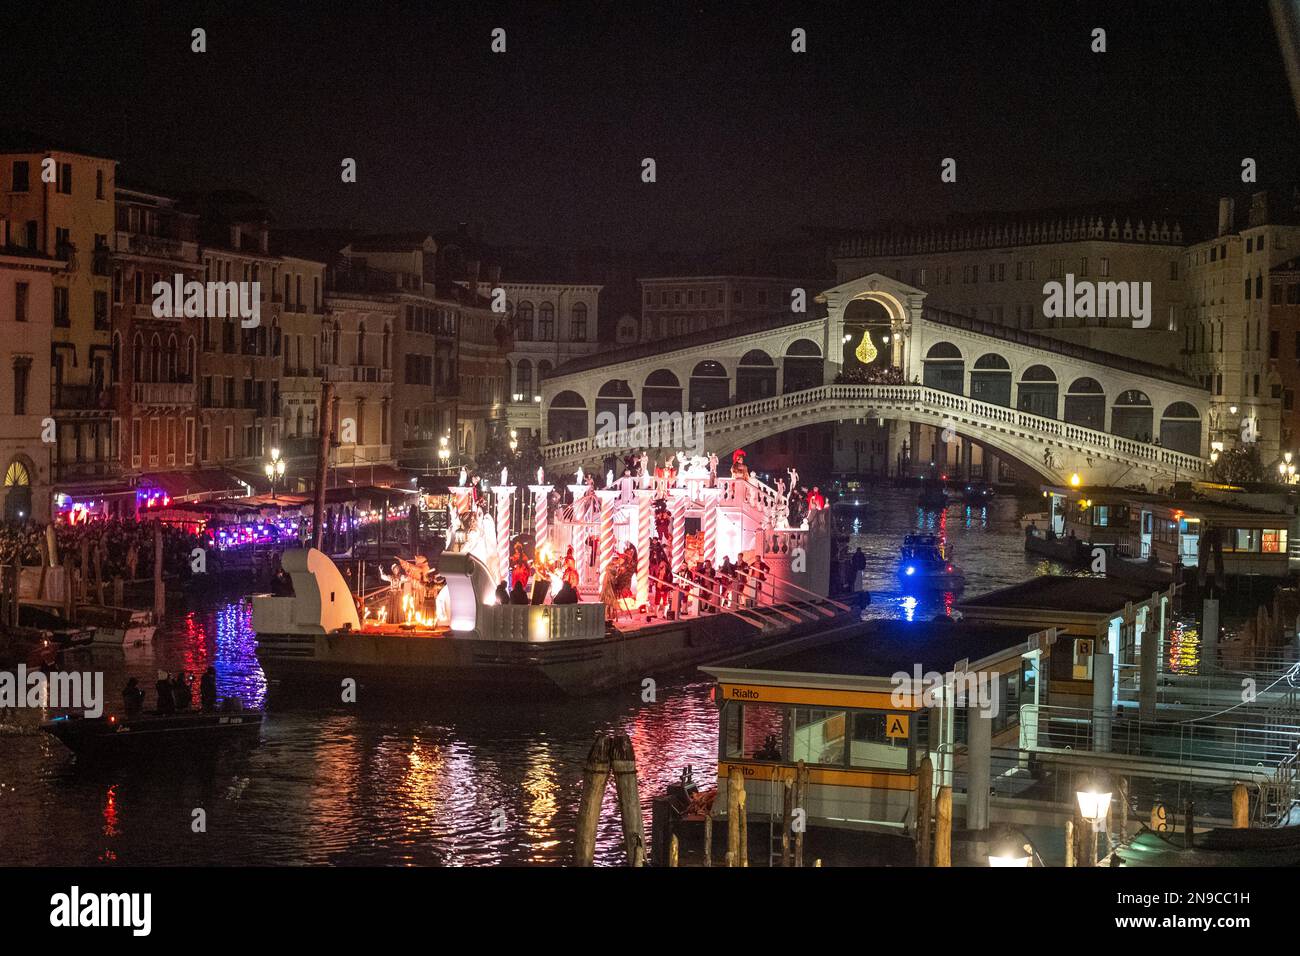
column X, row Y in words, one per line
column 415, row 779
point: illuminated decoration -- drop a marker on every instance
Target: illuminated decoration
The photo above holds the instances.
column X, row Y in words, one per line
column 866, row 350
column 1074, row 480
column 16, row 475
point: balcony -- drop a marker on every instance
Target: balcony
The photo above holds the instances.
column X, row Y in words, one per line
column 162, row 394
column 81, row 398
column 358, row 373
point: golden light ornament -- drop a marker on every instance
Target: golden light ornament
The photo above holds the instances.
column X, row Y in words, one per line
column 866, row 350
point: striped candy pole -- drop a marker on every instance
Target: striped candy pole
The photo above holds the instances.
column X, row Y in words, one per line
column 541, row 526
column 644, row 517
column 710, row 525
column 607, row 498
column 579, row 527
column 503, row 496
column 678, row 503
column 461, row 496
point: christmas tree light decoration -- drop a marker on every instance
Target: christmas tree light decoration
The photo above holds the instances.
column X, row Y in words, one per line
column 866, row 350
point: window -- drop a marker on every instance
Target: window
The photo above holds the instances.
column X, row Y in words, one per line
column 870, row 744
column 1105, row 266
column 99, row 184
column 818, row 736
column 101, row 310
column 546, row 322
column 22, row 372
column 65, row 179
column 20, row 301
column 754, row 732
column 21, row 176
column 61, row 307
column 578, row 323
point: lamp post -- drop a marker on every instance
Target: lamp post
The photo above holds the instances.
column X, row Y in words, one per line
column 1011, row 848
column 1094, row 806
column 444, row 453
column 275, row 470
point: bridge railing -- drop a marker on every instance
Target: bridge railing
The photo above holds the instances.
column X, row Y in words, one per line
column 917, row 396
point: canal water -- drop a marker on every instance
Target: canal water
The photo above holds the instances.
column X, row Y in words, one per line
column 423, row 780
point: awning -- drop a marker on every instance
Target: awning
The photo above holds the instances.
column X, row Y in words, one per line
column 382, row 475
column 192, row 485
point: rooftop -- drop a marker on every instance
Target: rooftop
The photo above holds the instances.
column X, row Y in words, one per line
column 1077, row 595
column 887, row 647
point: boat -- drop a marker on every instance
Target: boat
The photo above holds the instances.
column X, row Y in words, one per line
column 977, row 493
column 317, row 637
column 117, row 626
column 924, row 564
column 933, row 495
column 112, row 737
column 61, row 633
column 1068, row 550
column 1221, row 846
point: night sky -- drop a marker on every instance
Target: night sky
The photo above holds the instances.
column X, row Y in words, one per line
column 543, row 144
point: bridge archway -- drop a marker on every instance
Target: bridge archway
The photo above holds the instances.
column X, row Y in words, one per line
column 566, row 419
column 1085, row 404
column 662, row 392
column 1039, row 392
column 803, row 366
column 1131, row 416
column 945, row 369
column 615, row 397
column 1180, row 428
column 755, row 376
column 710, row 386
column 990, row 380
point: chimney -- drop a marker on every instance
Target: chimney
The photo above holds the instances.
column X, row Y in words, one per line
column 1225, row 215
column 1259, row 208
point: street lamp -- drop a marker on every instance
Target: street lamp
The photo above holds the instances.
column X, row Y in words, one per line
column 275, row 470
column 514, row 441
column 1094, row 806
column 444, row 453
column 1011, row 849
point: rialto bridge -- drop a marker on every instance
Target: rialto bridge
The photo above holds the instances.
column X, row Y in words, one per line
column 878, row 353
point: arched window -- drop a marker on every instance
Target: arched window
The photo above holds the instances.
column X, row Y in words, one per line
column 361, row 343
column 524, row 321
column 803, row 366
column 566, row 418
column 710, row 386
column 944, row 368
column 578, row 322
column 1085, row 404
column 1039, row 393
column 387, row 358
column 1131, row 416
column 662, row 392
column 990, row 380
column 1180, row 428
column 614, row 398
column 524, row 379
column 137, row 358
column 546, row 322
column 755, row 376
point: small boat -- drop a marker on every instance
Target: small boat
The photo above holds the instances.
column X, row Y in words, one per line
column 96, row 738
column 977, row 493
column 1257, row 846
column 933, row 495
column 62, row 633
column 117, row 626
column 924, row 564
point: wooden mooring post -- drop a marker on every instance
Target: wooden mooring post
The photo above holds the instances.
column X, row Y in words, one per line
column 787, row 818
column 943, row 828
column 924, row 799
column 1240, row 807
column 735, row 794
column 708, row 839
column 159, row 592
column 595, row 775
column 623, row 760
column 801, row 804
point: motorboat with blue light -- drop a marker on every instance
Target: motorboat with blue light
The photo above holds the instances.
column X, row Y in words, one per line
column 924, row 564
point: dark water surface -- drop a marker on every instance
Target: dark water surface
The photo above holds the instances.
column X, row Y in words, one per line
column 430, row 779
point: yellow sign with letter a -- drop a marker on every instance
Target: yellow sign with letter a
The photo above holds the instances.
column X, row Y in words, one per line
column 896, row 725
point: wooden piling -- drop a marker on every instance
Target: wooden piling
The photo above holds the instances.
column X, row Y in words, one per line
column 159, row 593
column 623, row 761
column 708, row 839
column 787, row 818
column 924, row 799
column 119, row 592
column 744, row 827
column 735, row 787
column 99, row 571
column 1240, row 807
column 595, row 776
column 83, row 571
column 673, row 851
column 326, row 424
column 801, row 803
column 47, row 562
column 943, row 828
column 68, row 602
column 1123, row 809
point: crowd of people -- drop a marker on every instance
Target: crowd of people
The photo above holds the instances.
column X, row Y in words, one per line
column 125, row 546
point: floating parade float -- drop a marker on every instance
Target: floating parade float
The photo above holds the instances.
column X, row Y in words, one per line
column 600, row 613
